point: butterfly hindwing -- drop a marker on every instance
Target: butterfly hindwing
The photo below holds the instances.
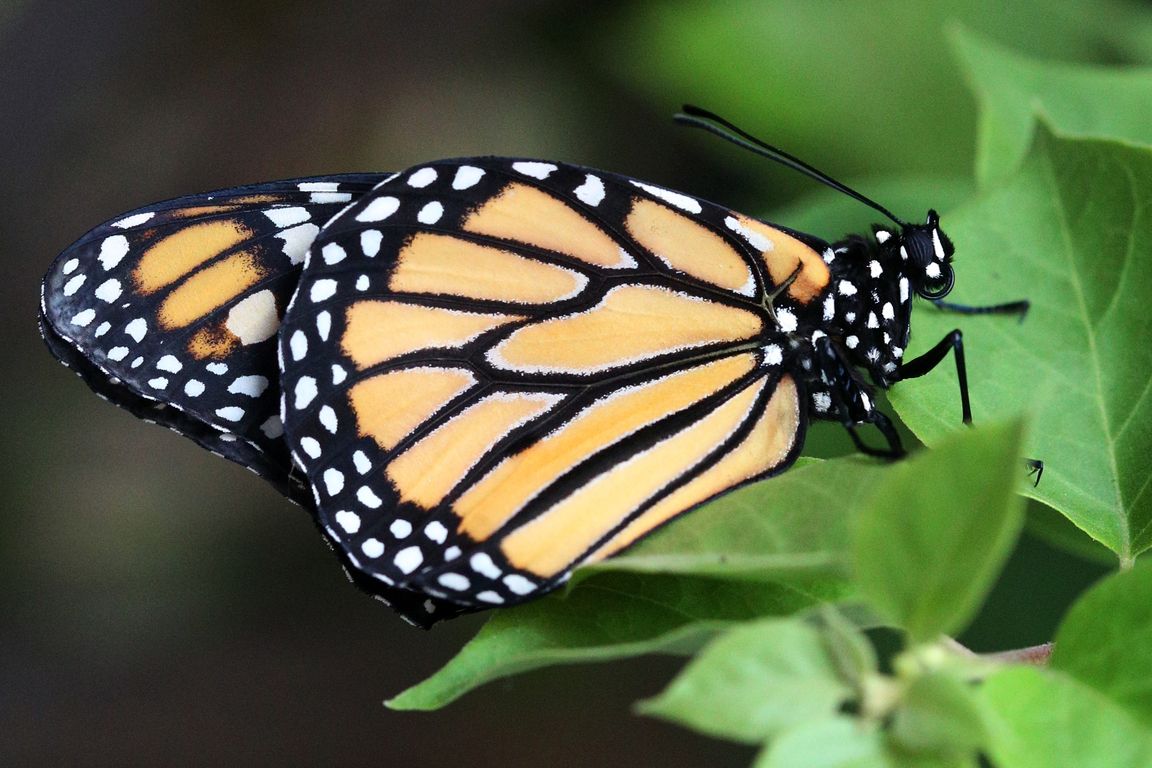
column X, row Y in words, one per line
column 171, row 311
column 495, row 370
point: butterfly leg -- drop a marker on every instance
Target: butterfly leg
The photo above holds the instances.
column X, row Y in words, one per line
column 921, row 365
column 895, row 449
column 926, row 362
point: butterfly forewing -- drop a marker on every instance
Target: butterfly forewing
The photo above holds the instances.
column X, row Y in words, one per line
column 171, row 311
column 495, row 370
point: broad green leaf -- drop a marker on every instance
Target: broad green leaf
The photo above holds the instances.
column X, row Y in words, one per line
column 1044, row 719
column 1105, row 639
column 1069, row 233
column 610, row 616
column 795, row 525
column 940, row 716
column 1012, row 90
column 835, row 742
column 753, row 682
column 939, row 527
column 852, row 87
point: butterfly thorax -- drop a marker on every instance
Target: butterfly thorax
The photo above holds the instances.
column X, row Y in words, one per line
column 866, row 314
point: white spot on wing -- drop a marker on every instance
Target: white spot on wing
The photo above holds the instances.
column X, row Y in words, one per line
column 74, row 284
column 84, row 317
column 133, row 220
column 408, row 559
column 368, row 497
column 430, row 213
column 534, row 169
column 298, row 345
column 311, row 446
column 109, row 290
column 286, row 217
column 192, row 387
column 483, row 565
column 372, row 548
column 436, row 532
column 253, row 385
column 349, row 521
column 683, row 202
column 328, row 419
column 332, row 253
column 305, row 392
column 297, row 241
column 112, row 250
column 591, row 192
column 370, row 240
column 230, row 413
column 169, row 363
column 379, row 209
column 753, row 238
column 136, row 329
column 322, row 289
column 254, row 318
column 519, row 584
column 333, row 481
column 422, row 178
column 467, row 176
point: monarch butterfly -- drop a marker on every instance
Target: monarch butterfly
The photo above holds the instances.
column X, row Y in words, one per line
column 493, row 370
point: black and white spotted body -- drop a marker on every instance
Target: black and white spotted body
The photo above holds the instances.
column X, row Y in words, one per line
column 866, row 315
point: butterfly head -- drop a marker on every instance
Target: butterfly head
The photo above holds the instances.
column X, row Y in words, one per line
column 925, row 255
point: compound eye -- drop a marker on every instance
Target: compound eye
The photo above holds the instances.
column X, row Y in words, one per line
column 939, row 285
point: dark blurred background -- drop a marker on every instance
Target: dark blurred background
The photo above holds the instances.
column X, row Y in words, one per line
column 161, row 606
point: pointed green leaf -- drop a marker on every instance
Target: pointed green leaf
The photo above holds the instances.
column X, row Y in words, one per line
column 835, row 742
column 938, row 529
column 1069, row 233
column 1012, row 90
column 941, row 716
column 1105, row 639
column 753, row 682
column 611, row 616
column 1040, row 719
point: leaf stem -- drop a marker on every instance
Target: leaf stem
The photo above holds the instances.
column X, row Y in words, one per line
column 1037, row 655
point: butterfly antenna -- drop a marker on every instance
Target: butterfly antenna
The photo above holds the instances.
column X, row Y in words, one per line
column 696, row 117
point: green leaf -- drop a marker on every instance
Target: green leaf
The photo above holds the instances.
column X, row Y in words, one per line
column 1105, row 638
column 853, row 87
column 1012, row 90
column 1041, row 719
column 611, row 616
column 1069, row 233
column 794, row 526
column 938, row 529
column 753, row 682
column 835, row 742
column 940, row 715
